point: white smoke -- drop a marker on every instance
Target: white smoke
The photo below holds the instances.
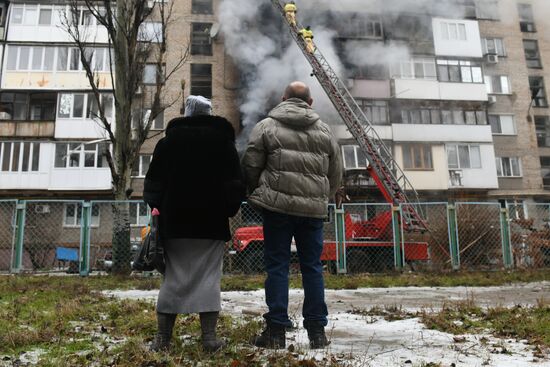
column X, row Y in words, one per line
column 375, row 53
column 269, row 59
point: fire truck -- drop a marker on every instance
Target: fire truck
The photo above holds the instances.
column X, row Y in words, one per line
column 368, row 241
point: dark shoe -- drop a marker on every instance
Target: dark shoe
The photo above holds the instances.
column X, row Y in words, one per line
column 162, row 340
column 317, row 337
column 210, row 342
column 273, row 337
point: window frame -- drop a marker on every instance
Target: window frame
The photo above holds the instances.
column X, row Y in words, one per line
column 496, row 41
column 140, row 165
column 530, row 59
column 461, row 66
column 500, row 167
column 33, row 153
column 500, row 115
column 138, row 217
column 202, row 79
column 202, row 7
column 77, row 217
column 356, row 152
column 445, row 28
column 490, row 84
column 542, row 132
column 459, row 165
column 204, row 47
column 409, row 164
column 538, row 101
column 82, row 151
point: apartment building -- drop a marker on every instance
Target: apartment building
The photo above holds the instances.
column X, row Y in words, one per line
column 50, row 143
column 464, row 112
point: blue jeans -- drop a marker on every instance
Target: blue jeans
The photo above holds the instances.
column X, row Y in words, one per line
column 308, row 234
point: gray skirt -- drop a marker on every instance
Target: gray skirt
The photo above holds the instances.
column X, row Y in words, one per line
column 192, row 280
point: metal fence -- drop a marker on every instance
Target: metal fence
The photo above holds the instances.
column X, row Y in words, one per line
column 81, row 237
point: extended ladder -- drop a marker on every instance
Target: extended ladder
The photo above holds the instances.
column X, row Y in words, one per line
column 383, row 168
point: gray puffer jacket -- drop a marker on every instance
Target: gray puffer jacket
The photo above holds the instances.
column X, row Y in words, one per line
column 292, row 163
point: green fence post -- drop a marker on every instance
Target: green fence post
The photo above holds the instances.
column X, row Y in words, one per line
column 453, row 237
column 397, row 238
column 341, row 266
column 84, row 265
column 506, row 240
column 17, row 263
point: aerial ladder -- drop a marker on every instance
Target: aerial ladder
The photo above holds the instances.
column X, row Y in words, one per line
column 384, row 170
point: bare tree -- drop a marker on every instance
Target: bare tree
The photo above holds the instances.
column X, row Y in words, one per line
column 137, row 33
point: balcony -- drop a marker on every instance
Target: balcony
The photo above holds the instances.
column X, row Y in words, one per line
column 27, row 129
column 442, row 133
column 435, row 90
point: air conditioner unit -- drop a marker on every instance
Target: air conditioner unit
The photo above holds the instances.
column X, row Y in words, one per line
column 455, row 177
column 492, row 99
column 492, row 58
column 41, row 209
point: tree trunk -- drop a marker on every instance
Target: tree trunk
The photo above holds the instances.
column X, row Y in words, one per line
column 122, row 248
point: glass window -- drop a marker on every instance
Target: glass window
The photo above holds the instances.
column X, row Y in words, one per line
column 49, row 57
column 538, row 92
column 12, row 57
column 78, row 105
column 45, row 17
column 62, row 56
column 65, row 104
column 6, row 156
column 201, row 44
column 37, row 55
column 17, row 14
column 74, row 62
column 417, row 157
column 201, row 80
column 508, row 167
column 532, row 55
column 542, row 124
column 24, row 58
column 31, row 15
column 15, row 157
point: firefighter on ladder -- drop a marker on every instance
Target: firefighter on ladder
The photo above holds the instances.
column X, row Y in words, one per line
column 307, row 35
column 290, row 11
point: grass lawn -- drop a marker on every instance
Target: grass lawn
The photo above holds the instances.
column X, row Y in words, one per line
column 68, row 322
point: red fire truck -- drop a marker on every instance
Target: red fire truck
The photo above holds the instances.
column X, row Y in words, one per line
column 369, row 246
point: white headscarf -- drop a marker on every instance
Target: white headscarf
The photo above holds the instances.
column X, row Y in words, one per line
column 197, row 105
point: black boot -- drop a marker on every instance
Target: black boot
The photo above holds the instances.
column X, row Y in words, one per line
column 273, row 337
column 317, row 337
column 208, row 326
column 164, row 335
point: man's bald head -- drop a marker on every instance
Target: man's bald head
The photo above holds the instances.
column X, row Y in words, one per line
column 298, row 90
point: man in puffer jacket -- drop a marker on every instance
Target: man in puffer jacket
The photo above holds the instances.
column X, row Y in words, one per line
column 293, row 167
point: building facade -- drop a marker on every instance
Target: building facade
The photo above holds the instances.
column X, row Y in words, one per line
column 50, row 142
column 465, row 112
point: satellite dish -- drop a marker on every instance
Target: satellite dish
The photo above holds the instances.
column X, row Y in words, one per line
column 214, row 30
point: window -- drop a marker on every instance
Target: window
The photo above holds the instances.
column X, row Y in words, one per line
column 526, row 19
column 151, row 32
column 453, row 31
column 354, row 158
column 545, row 170
column 542, row 125
column 17, row 14
column 19, row 156
column 459, row 71
column 417, row 157
column 152, row 74
column 201, row 7
column 71, row 106
column 40, row 58
column 416, row 68
column 201, row 80
column 141, row 165
column 28, row 107
column 532, row 55
column 45, row 17
column 435, row 116
column 80, row 155
column 487, row 9
column 497, row 84
column 107, row 101
column 493, row 46
column 356, row 26
column 462, row 156
column 502, row 124
column 73, row 215
column 201, row 43
column 508, row 167
column 24, row 14
column 139, row 214
column 376, row 111
column 538, row 92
